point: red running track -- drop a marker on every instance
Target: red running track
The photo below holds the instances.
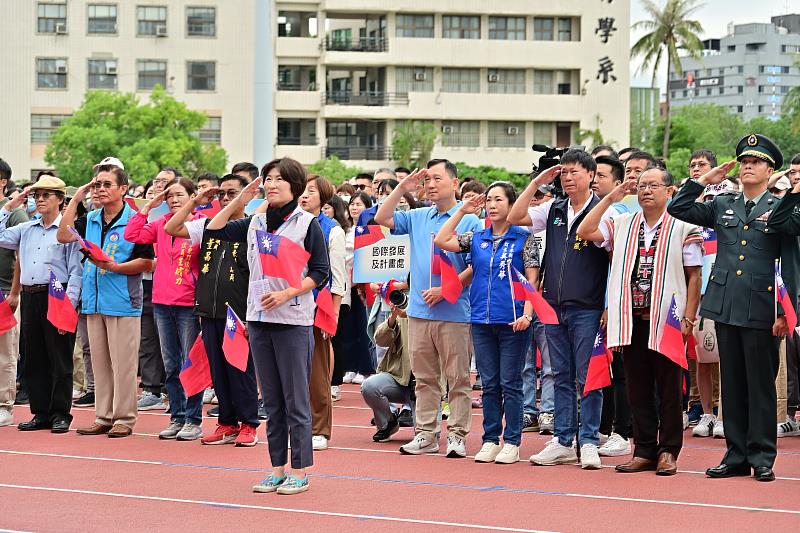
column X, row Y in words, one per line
column 79, row 483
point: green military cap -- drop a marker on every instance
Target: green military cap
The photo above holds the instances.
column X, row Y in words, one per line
column 761, row 147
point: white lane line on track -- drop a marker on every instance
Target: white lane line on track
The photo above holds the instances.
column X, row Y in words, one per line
column 270, row 508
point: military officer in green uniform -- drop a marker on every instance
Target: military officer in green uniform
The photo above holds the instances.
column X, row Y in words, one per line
column 740, row 298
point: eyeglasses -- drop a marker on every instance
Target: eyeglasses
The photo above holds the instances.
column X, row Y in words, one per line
column 104, row 185
column 44, row 195
column 230, row 194
column 652, row 186
column 699, row 164
column 361, row 186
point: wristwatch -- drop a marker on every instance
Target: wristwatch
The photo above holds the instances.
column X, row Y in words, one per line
column 529, row 317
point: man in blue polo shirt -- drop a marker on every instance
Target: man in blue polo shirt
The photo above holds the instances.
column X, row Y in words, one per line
column 439, row 332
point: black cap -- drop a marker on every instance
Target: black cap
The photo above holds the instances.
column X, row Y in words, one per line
column 761, row 147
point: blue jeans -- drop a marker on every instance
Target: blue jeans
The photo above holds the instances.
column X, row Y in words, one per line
column 177, row 331
column 529, row 374
column 500, row 355
column 571, row 342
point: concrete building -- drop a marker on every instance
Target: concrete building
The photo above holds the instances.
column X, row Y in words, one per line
column 56, row 50
column 749, row 71
column 493, row 78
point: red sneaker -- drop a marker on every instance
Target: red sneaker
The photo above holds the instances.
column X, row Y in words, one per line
column 247, row 436
column 222, row 435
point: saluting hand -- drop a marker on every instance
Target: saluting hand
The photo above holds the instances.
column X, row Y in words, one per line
column 80, row 194
column 548, row 176
column 249, row 192
column 205, row 197
column 413, row 181
column 717, row 174
column 19, row 200
column 623, row 189
column 471, row 205
column 156, row 201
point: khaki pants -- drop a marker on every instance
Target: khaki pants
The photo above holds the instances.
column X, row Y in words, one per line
column 320, row 386
column 441, row 350
column 9, row 355
column 781, row 385
column 114, row 342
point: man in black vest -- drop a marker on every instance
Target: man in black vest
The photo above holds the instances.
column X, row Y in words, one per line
column 740, row 298
column 575, row 273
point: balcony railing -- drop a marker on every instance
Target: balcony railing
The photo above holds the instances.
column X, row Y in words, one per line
column 297, row 141
column 364, row 44
column 284, row 86
column 370, row 153
column 366, row 98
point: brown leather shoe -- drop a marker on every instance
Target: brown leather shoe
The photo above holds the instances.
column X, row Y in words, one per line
column 667, row 465
column 94, row 429
column 637, row 464
column 119, row 431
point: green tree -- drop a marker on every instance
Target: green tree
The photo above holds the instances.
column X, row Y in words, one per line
column 144, row 136
column 487, row 174
column 669, row 31
column 333, row 169
column 412, row 142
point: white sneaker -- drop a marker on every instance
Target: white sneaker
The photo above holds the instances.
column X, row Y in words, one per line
column 358, row 379
column 615, row 446
column 719, row 430
column 208, row 395
column 76, row 394
column 456, row 447
column 546, row 424
column 6, row 418
column 190, row 432
column 555, row 454
column 790, row 428
column 603, row 438
column 685, row 420
column 319, row 442
column 590, row 460
column 488, row 452
column 171, row 430
column 336, row 393
column 348, row 377
column 419, row 446
column 704, row 428
column 508, row 455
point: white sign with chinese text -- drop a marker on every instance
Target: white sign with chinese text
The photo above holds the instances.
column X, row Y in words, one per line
column 387, row 259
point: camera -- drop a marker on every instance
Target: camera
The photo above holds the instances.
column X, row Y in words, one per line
column 552, row 157
column 398, row 298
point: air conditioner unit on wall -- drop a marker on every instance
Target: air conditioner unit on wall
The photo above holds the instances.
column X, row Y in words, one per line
column 161, row 31
column 111, row 70
column 61, row 29
column 513, row 130
column 420, row 76
column 447, row 129
column 494, row 78
column 61, row 69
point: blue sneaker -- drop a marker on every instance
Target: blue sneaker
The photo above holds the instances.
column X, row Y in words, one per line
column 695, row 412
column 293, row 485
column 270, row 484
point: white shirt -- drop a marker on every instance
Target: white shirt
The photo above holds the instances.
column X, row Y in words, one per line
column 539, row 214
column 692, row 252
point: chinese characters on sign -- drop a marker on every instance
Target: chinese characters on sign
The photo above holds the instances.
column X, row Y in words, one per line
column 385, row 260
column 605, row 30
column 605, row 72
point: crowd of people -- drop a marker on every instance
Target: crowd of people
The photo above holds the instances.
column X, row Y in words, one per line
column 612, row 275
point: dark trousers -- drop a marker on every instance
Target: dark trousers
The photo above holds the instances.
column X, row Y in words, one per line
column 655, row 390
column 282, row 355
column 48, row 370
column 351, row 344
column 748, row 368
column 151, row 364
column 236, row 391
column 616, row 415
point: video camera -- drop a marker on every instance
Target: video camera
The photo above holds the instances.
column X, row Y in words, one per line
column 552, row 157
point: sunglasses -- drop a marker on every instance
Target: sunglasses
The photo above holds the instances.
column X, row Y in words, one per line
column 104, row 185
column 44, row 195
column 229, row 194
column 361, row 186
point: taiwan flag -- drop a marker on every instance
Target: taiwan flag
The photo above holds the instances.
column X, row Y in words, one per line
column 709, row 241
column 325, row 318
column 281, row 257
column 234, row 343
column 60, row 311
column 451, row 284
column 7, row 318
column 598, row 375
column 386, row 290
column 92, row 250
column 783, row 298
column 195, row 375
column 523, row 290
column 672, row 343
column 210, row 209
column 436, row 262
column 367, row 235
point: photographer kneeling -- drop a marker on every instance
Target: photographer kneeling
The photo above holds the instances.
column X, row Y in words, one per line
column 393, row 383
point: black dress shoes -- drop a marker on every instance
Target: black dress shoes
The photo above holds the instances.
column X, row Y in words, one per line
column 60, row 425
column 36, row 423
column 724, row 470
column 763, row 473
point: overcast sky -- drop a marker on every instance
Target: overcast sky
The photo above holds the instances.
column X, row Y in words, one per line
column 714, row 15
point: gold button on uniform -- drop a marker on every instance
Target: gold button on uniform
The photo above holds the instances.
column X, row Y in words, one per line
column 741, row 258
column 738, row 272
column 745, row 227
column 769, row 288
column 744, row 243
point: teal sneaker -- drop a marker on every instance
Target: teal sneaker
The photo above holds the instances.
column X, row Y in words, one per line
column 270, row 484
column 293, row 485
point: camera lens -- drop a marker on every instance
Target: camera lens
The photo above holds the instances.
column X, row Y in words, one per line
column 399, row 299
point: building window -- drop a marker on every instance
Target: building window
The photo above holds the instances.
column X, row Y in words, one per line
column 42, row 126
column 150, row 73
column 414, row 26
column 739, row 109
column 414, row 79
column 740, row 89
column 51, row 73
column 543, row 133
column 507, row 134
column 102, row 19
column 465, row 133
column 507, row 28
column 564, row 29
column 506, row 81
column 543, row 82
column 201, row 21
column 51, row 18
column 740, row 69
column 211, row 132
column 102, row 74
column 151, row 20
column 461, row 27
column 201, row 76
column 461, row 80
column 543, row 29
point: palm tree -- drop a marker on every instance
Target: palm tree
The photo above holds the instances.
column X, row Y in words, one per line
column 670, row 31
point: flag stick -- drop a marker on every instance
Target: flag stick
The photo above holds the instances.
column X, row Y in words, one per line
column 511, row 286
column 777, row 266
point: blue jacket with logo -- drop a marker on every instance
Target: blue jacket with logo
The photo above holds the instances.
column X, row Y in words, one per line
column 490, row 295
column 108, row 293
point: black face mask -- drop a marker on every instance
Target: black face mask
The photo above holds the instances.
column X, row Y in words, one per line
column 276, row 216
